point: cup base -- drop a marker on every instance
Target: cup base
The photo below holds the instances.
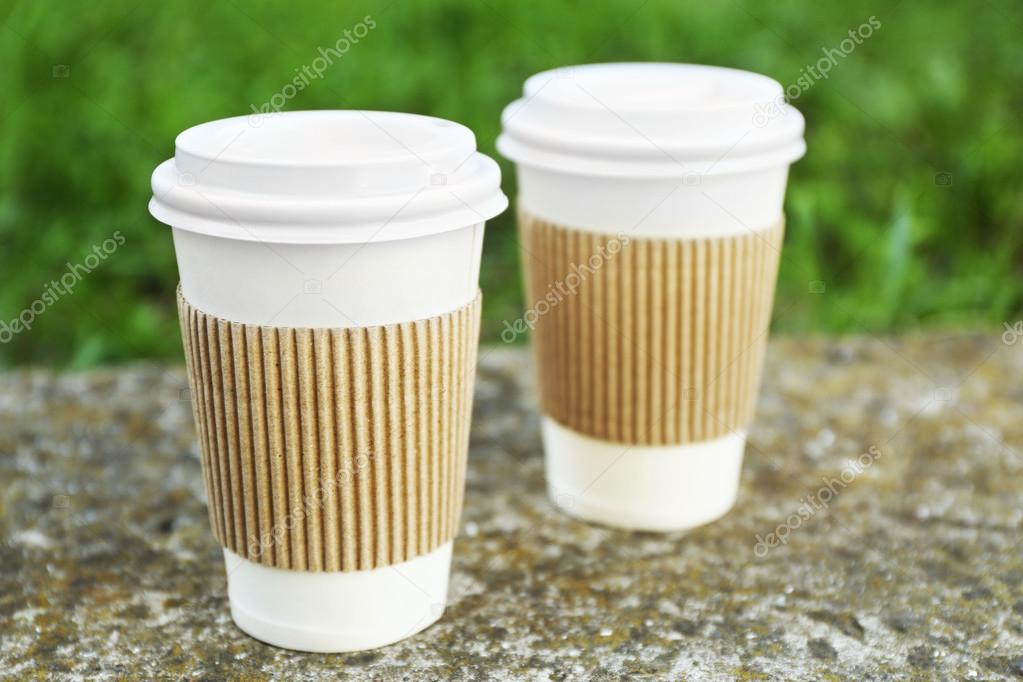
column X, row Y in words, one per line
column 336, row 612
column 639, row 487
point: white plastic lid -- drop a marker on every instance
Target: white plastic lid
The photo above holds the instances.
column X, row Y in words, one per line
column 651, row 120
column 326, row 177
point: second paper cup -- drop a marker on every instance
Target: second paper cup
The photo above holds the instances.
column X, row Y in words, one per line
column 650, row 218
column 329, row 301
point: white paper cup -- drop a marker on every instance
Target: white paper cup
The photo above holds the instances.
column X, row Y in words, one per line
column 330, row 219
column 653, row 151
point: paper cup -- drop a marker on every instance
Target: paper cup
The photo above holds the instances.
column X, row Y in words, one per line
column 329, row 266
column 649, row 353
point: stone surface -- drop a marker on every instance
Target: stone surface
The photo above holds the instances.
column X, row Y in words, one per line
column 912, row 570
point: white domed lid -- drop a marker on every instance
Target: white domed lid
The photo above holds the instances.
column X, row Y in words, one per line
column 651, row 119
column 326, row 177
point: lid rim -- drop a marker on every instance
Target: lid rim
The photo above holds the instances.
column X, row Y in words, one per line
column 327, row 232
column 646, row 148
column 576, row 164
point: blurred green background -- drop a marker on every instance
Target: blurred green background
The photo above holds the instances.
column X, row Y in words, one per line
column 906, row 211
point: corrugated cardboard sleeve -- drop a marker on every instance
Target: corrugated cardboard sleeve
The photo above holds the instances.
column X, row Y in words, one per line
column 332, row 449
column 648, row 341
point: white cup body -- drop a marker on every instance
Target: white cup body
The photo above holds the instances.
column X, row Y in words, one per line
column 656, row 208
column 333, row 285
column 330, row 285
column 643, row 487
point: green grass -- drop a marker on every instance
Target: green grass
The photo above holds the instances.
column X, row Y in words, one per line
column 936, row 90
